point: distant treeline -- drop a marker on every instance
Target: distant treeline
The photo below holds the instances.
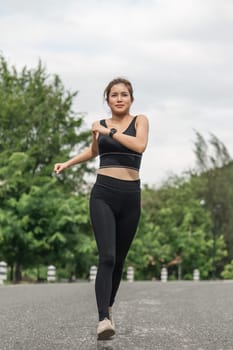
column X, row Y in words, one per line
column 186, row 223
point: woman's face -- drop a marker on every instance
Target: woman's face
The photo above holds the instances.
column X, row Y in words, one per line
column 119, row 99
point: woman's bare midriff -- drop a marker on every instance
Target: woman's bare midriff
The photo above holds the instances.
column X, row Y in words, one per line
column 120, row 173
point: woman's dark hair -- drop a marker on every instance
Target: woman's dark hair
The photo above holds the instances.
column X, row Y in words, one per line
column 118, row 81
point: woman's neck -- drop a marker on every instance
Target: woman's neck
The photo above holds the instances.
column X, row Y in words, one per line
column 120, row 117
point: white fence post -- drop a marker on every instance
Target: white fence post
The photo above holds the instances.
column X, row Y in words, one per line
column 196, row 275
column 130, row 274
column 3, row 272
column 51, row 275
column 93, row 273
column 164, row 274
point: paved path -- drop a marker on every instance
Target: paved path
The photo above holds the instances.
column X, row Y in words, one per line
column 148, row 315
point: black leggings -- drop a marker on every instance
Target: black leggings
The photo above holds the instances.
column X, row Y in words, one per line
column 115, row 210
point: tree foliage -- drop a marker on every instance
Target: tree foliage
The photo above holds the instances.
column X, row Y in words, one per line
column 210, row 156
column 187, row 222
column 38, row 128
column 176, row 230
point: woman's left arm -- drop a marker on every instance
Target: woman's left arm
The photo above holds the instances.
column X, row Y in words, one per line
column 136, row 143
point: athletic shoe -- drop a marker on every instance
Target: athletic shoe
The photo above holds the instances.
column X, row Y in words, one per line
column 105, row 329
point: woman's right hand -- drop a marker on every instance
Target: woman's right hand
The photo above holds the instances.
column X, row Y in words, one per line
column 58, row 167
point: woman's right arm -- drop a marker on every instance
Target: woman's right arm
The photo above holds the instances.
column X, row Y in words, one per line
column 88, row 154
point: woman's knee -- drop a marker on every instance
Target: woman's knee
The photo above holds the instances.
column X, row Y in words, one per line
column 107, row 260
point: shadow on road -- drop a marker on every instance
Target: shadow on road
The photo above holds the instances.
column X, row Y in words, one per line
column 101, row 345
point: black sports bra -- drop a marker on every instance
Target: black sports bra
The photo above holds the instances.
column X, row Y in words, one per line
column 114, row 155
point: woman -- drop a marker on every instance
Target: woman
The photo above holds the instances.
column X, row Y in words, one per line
column 115, row 198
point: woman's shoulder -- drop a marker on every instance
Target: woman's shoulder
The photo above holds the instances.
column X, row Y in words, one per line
column 141, row 118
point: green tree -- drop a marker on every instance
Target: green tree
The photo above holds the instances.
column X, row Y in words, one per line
column 38, row 127
column 175, row 230
column 37, row 119
column 215, row 166
column 227, row 273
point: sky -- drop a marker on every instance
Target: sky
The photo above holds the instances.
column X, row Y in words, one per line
column 178, row 54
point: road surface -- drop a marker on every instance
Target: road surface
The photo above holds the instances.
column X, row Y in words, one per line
column 148, row 315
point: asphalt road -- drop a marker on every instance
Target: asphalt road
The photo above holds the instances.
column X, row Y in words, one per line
column 148, row 315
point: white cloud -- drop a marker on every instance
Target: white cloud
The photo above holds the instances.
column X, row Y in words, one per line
column 178, row 54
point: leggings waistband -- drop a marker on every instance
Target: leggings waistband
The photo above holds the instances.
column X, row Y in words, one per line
column 118, row 184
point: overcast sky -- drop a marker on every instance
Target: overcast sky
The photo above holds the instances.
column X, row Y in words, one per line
column 178, row 55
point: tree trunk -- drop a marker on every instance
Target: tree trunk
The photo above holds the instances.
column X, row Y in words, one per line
column 18, row 272
column 11, row 273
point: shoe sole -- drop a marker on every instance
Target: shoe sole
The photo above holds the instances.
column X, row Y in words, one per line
column 106, row 334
